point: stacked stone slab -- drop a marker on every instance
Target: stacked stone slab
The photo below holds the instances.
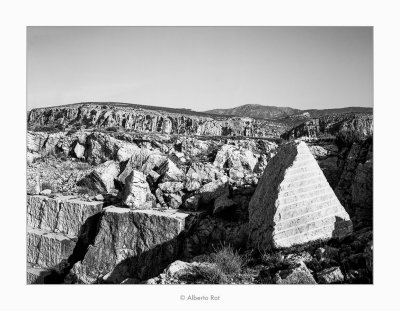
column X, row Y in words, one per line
column 293, row 203
column 53, row 227
column 131, row 244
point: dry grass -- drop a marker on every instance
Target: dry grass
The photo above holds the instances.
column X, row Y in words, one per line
column 225, row 264
column 228, row 260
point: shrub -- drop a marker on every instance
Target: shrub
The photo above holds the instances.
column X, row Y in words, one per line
column 228, row 260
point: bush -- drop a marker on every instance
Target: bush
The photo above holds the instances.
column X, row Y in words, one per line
column 228, row 260
column 222, row 265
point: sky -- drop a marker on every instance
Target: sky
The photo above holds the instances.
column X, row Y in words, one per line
column 201, row 68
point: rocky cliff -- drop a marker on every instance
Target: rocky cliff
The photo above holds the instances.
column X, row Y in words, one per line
column 132, row 118
column 348, row 127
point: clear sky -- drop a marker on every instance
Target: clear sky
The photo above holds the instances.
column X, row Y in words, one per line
column 201, row 68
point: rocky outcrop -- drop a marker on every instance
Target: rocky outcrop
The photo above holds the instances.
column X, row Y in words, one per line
column 137, row 193
column 129, row 117
column 64, row 214
column 102, row 178
column 362, row 193
column 348, row 127
column 354, row 187
column 58, row 231
column 48, row 249
column 131, row 244
column 101, row 147
column 293, row 202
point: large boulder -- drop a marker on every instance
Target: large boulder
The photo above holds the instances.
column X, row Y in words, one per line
column 143, row 160
column 102, row 177
column 169, row 172
column 235, row 157
column 212, row 190
column 171, row 186
column 65, row 214
column 48, row 249
column 293, row 203
column 102, row 147
column 131, row 244
column 137, row 193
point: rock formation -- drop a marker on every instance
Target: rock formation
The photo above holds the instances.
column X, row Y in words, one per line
column 126, row 190
column 293, row 203
column 137, row 193
column 348, row 126
column 151, row 119
column 131, row 244
column 54, row 228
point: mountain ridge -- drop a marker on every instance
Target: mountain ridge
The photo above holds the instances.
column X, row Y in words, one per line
column 275, row 112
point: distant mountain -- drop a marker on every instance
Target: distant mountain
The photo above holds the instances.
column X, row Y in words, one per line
column 273, row 112
column 256, row 111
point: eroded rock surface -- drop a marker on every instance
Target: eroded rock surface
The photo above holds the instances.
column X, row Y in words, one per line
column 131, row 244
column 65, row 214
column 293, row 203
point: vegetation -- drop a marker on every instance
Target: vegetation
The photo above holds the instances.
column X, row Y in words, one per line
column 226, row 263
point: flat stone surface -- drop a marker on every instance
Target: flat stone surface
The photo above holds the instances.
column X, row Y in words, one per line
column 48, row 249
column 293, row 203
column 65, row 214
column 131, row 244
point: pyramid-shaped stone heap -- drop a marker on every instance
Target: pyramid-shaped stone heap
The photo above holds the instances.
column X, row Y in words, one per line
column 293, row 203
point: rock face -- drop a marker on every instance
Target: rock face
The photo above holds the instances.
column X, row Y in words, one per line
column 150, row 119
column 48, row 249
column 345, row 126
column 131, row 244
column 354, row 188
column 54, row 229
column 64, row 214
column 293, row 203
